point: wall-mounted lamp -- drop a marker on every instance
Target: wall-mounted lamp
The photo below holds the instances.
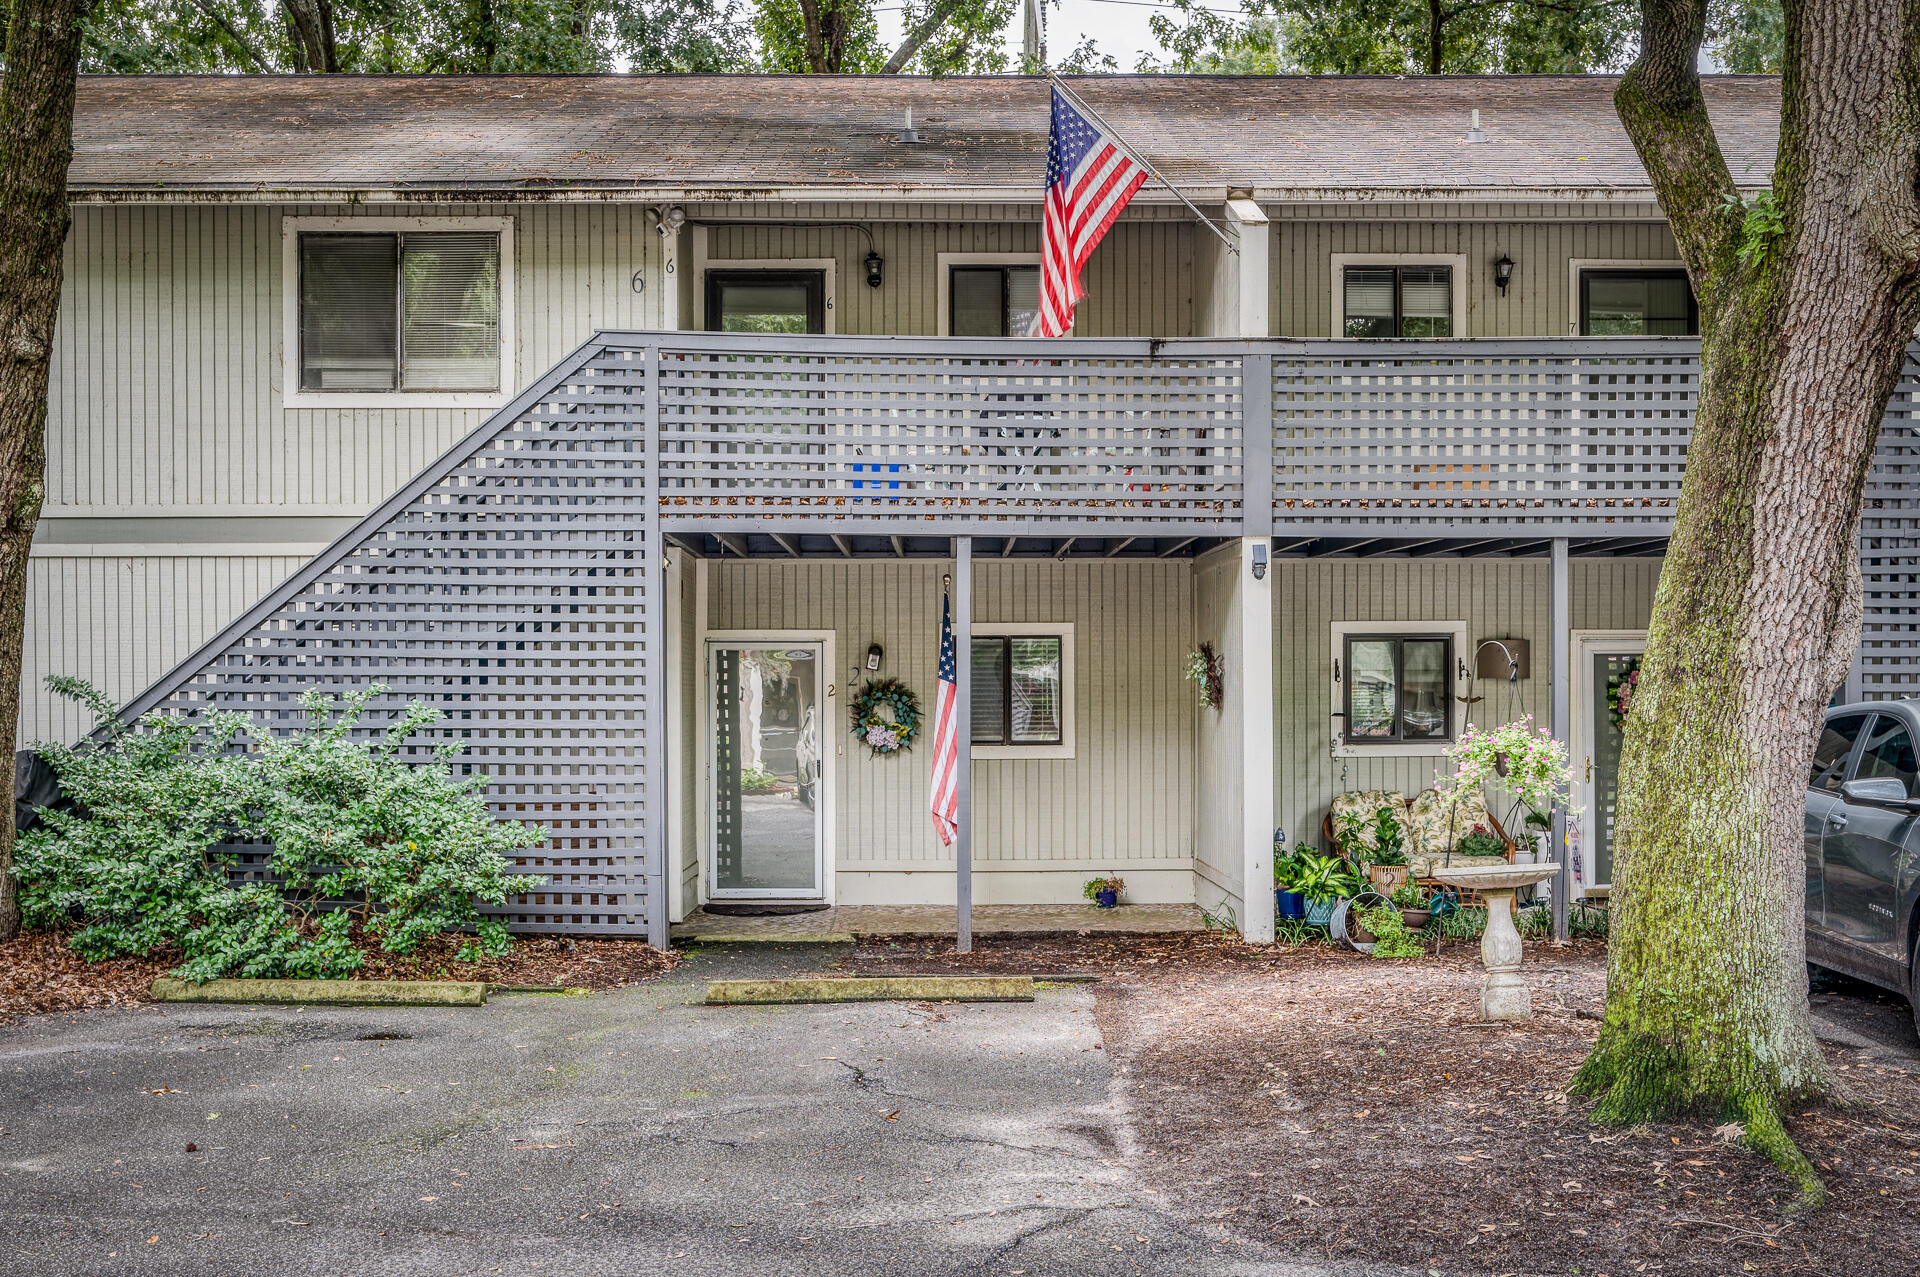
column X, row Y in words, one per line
column 873, row 656
column 873, row 264
column 1260, row 562
column 1503, row 273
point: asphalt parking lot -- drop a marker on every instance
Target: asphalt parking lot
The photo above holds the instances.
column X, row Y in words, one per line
column 633, row 1131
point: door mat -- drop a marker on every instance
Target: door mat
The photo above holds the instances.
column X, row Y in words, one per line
column 759, row 909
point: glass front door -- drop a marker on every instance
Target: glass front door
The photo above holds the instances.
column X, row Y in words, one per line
column 767, row 763
column 1610, row 674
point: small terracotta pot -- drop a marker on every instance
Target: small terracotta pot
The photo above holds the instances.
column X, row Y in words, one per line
column 1414, row 919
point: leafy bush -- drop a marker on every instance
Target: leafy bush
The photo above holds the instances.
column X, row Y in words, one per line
column 1480, row 843
column 1391, row 939
column 361, row 841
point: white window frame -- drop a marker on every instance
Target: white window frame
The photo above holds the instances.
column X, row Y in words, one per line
column 829, row 268
column 944, row 264
column 1457, row 261
column 1062, row 630
column 292, row 396
column 1336, row 708
column 1577, row 265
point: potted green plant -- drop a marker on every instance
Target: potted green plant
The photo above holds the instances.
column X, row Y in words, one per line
column 1387, row 862
column 1289, row 903
column 1324, row 881
column 1390, row 936
column 1104, row 892
column 1480, row 843
column 1414, row 904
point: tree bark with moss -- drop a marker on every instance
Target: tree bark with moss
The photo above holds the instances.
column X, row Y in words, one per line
column 36, row 143
column 1809, row 295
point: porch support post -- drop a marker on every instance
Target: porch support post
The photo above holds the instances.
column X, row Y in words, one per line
column 1253, row 235
column 1560, row 621
column 963, row 735
column 1256, row 739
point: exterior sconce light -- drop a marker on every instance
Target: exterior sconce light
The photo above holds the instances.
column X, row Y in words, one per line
column 1503, row 273
column 873, row 264
column 1260, row 562
column 873, row 656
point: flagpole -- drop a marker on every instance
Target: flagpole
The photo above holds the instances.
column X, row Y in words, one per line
column 1141, row 160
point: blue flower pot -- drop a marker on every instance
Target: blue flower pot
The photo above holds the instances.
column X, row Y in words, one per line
column 1320, row 913
column 1291, row 906
column 1107, row 899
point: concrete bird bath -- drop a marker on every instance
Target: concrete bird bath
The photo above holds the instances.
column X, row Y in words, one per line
column 1505, row 995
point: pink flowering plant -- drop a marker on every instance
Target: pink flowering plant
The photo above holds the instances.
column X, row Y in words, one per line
column 1527, row 761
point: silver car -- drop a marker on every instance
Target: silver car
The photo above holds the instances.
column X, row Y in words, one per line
column 1863, row 845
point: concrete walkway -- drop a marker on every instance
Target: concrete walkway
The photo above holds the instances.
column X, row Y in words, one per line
column 929, row 920
column 628, row 1132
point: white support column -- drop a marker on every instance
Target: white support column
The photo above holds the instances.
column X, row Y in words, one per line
column 963, row 734
column 1256, row 739
column 1254, row 236
column 1559, row 621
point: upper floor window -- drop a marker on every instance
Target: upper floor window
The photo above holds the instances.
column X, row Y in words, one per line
column 1397, row 301
column 399, row 311
column 993, row 301
column 1637, row 303
column 767, row 301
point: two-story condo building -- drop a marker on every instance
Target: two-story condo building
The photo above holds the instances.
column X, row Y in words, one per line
column 639, row 422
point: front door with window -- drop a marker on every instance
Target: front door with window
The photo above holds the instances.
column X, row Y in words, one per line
column 767, row 769
column 1609, row 675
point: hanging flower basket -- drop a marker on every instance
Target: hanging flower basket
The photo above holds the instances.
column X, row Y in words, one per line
column 886, row 716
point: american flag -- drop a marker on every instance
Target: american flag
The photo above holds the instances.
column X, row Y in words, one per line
column 1090, row 178
column 946, row 754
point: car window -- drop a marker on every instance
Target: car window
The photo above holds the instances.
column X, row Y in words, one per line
column 1830, row 756
column 1889, row 754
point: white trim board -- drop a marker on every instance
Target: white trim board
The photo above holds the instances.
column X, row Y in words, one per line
column 1577, row 264
column 943, row 291
column 828, row 267
column 1397, row 749
column 1457, row 261
column 1038, row 629
column 292, row 397
column 1584, row 646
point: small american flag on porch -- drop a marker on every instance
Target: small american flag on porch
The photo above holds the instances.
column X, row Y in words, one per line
column 946, row 753
column 1090, row 178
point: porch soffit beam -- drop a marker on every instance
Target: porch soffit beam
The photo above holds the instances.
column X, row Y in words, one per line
column 1124, row 543
column 1404, row 547
column 1065, row 545
column 679, row 542
column 899, row 546
column 840, row 544
column 1006, row 546
column 1291, row 546
column 781, row 540
column 1177, row 546
column 735, row 542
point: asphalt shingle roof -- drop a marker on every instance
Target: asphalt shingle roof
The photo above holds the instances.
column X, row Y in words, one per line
column 537, row 133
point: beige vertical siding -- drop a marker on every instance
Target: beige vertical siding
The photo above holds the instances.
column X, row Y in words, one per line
column 167, row 373
column 1123, row 803
column 120, row 623
column 1220, row 778
column 1139, row 281
column 1496, row 599
column 1538, row 303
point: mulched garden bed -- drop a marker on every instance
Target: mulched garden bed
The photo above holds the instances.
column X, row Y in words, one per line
column 1355, row 1110
column 39, row 975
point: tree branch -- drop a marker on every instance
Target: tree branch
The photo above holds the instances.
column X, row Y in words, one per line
column 921, row 33
column 247, row 49
column 1665, row 114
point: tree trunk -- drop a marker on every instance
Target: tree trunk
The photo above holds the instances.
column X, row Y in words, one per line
column 312, row 26
column 935, row 18
column 36, row 144
column 1757, row 613
column 1436, row 28
column 816, row 41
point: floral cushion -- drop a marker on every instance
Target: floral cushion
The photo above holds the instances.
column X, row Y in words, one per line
column 1435, row 823
column 1365, row 803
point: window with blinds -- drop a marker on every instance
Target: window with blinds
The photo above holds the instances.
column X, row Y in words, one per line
column 1397, row 301
column 993, row 301
column 400, row 312
column 1019, row 693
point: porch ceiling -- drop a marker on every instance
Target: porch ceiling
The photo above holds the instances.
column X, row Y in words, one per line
column 1521, row 547
column 846, row 545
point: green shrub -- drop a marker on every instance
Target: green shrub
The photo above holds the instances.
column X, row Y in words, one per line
column 755, row 780
column 1465, row 923
column 1480, row 843
column 361, row 841
column 1391, row 939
